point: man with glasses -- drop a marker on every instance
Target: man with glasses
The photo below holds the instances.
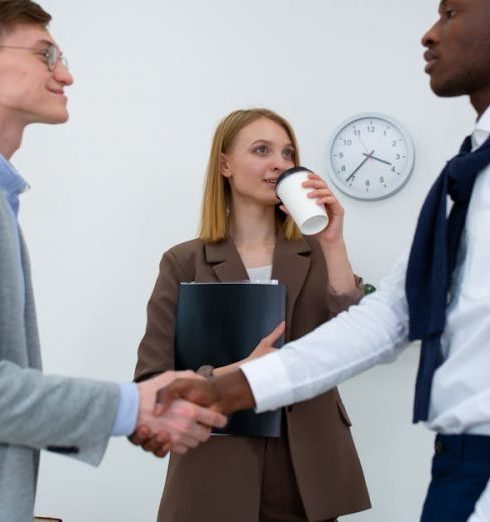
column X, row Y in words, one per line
column 71, row 416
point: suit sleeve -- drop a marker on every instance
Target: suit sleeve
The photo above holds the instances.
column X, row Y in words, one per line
column 156, row 352
column 68, row 415
column 337, row 303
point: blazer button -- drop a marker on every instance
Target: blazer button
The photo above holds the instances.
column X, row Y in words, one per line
column 289, row 408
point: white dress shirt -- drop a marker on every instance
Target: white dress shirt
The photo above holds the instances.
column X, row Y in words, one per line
column 376, row 330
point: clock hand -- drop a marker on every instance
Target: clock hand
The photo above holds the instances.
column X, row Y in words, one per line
column 361, row 164
column 362, row 143
column 376, row 158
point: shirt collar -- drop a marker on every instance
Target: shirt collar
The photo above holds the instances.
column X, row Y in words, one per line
column 482, row 129
column 11, row 182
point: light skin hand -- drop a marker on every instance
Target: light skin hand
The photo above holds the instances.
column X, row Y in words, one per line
column 184, row 425
column 333, row 233
column 331, row 238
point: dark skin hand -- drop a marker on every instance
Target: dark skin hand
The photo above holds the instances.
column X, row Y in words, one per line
column 225, row 394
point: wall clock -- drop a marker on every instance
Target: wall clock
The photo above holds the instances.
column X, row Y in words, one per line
column 371, row 156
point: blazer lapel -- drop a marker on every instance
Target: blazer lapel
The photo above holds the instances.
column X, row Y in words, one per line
column 225, row 260
column 290, row 266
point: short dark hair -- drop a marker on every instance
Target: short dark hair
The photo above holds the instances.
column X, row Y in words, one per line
column 13, row 12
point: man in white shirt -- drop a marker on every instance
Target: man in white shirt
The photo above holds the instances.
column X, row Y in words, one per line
column 457, row 388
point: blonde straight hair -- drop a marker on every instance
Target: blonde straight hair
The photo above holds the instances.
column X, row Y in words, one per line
column 216, row 200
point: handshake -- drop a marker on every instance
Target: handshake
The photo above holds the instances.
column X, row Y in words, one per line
column 179, row 409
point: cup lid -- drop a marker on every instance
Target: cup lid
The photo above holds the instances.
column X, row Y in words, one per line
column 288, row 172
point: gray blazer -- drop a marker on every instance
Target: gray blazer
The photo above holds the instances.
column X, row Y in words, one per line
column 71, row 416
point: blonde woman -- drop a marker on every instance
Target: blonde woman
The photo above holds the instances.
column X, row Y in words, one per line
column 311, row 472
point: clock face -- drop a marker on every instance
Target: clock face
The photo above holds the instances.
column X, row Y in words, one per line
column 371, row 156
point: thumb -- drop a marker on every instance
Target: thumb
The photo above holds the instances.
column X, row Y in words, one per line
column 165, row 397
column 270, row 339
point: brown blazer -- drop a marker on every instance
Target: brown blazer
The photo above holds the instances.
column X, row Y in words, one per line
column 225, row 470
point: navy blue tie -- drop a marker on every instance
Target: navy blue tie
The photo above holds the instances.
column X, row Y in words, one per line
column 432, row 260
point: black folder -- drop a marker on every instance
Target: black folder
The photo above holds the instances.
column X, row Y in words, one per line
column 221, row 323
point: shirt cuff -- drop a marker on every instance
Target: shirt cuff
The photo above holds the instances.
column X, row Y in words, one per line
column 127, row 412
column 269, row 382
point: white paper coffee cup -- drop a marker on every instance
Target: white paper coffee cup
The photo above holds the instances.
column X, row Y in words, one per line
column 310, row 217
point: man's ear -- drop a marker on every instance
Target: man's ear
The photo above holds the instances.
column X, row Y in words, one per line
column 224, row 166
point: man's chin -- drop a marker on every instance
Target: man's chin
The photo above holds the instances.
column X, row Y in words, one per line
column 447, row 89
column 54, row 118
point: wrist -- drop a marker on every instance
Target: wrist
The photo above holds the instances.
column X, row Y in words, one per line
column 234, row 392
column 336, row 243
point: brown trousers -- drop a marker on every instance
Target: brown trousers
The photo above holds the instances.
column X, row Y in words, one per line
column 280, row 500
column 275, row 498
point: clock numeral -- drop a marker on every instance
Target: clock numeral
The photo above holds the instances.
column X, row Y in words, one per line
column 397, row 156
column 347, row 142
column 381, row 179
column 342, row 168
column 341, row 155
column 368, row 183
column 371, row 128
column 394, row 143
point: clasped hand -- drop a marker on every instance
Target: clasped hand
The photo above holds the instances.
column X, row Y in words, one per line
column 181, row 426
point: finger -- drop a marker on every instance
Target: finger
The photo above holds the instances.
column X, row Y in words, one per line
column 275, row 334
column 157, row 443
column 317, row 193
column 210, row 418
column 163, row 439
column 183, row 439
column 165, row 396
column 199, row 433
column 330, row 203
column 178, row 448
column 162, row 452
column 140, row 435
column 313, row 175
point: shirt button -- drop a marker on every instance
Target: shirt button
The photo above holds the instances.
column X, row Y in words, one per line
column 439, row 447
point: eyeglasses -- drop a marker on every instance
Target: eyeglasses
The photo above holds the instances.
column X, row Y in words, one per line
column 52, row 55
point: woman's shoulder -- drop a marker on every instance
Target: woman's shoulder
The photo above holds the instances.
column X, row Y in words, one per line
column 186, row 250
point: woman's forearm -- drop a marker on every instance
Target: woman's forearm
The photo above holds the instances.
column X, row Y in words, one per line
column 340, row 274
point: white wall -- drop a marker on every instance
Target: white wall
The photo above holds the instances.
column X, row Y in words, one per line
column 122, row 181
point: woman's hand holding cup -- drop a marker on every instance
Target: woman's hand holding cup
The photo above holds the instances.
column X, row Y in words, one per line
column 333, row 232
